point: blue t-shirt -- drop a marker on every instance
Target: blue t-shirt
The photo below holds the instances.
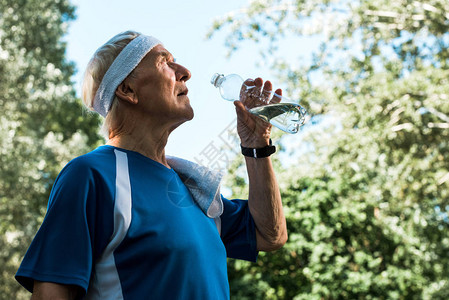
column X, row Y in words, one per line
column 122, row 226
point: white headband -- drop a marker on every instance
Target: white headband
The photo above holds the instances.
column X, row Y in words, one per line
column 121, row 67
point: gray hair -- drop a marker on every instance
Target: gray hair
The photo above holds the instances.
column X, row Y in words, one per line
column 96, row 69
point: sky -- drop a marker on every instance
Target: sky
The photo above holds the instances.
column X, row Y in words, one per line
column 182, row 27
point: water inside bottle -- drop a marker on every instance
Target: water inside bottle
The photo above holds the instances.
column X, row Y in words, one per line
column 286, row 116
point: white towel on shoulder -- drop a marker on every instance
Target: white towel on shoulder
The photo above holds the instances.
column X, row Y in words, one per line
column 203, row 184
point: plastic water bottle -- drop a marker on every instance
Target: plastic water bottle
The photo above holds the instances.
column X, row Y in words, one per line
column 286, row 116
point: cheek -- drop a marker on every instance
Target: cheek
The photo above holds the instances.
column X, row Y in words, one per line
column 168, row 82
column 159, row 84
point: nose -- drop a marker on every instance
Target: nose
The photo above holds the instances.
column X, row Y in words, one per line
column 182, row 73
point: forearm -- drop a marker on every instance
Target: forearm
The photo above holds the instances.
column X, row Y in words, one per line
column 265, row 204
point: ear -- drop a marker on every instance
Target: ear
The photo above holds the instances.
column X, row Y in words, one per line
column 126, row 92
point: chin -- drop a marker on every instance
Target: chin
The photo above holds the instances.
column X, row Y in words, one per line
column 186, row 118
column 192, row 113
column 188, row 113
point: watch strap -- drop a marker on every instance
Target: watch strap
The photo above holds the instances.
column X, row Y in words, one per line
column 259, row 152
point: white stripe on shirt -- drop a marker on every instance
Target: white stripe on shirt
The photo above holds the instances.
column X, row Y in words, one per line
column 106, row 282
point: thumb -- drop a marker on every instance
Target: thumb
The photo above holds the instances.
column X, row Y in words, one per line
column 239, row 106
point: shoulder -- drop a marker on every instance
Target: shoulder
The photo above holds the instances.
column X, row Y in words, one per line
column 90, row 169
column 85, row 176
column 234, row 205
column 95, row 161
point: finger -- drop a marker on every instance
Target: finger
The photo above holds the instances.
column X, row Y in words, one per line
column 277, row 97
column 266, row 91
column 248, row 92
column 244, row 90
column 247, row 85
column 256, row 94
column 259, row 83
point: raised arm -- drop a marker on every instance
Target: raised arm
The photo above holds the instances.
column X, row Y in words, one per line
column 264, row 196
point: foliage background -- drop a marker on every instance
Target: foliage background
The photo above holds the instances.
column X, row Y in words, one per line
column 42, row 123
column 366, row 200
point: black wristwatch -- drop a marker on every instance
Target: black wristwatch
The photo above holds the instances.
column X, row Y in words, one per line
column 259, row 152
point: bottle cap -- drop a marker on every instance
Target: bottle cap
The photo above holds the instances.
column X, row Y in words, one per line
column 217, row 79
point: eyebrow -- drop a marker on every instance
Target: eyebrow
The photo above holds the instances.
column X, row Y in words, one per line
column 166, row 54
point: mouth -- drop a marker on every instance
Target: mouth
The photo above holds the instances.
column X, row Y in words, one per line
column 184, row 92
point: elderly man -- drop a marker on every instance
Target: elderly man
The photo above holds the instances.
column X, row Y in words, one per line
column 127, row 222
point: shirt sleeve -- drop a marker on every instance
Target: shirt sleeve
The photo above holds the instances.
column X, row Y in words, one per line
column 66, row 244
column 238, row 231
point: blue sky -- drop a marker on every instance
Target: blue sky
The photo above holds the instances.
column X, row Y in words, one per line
column 182, row 27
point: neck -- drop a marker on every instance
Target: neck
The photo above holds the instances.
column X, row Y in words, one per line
column 143, row 137
column 153, row 149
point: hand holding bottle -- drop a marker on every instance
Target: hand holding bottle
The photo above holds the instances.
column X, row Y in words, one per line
column 254, row 132
column 253, row 95
column 287, row 116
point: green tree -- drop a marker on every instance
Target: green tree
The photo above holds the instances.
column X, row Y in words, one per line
column 42, row 123
column 367, row 198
